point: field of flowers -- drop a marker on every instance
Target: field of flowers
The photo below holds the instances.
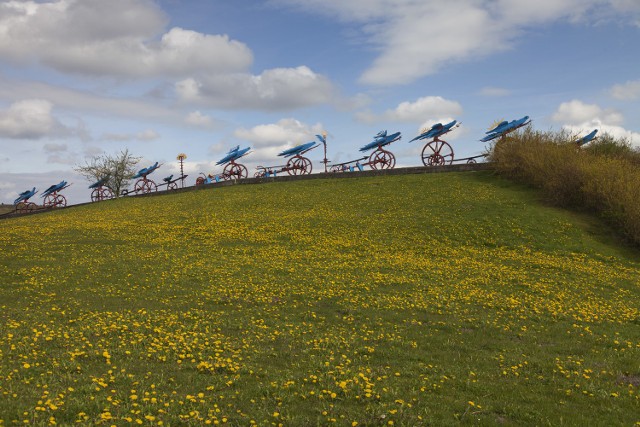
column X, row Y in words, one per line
column 402, row 300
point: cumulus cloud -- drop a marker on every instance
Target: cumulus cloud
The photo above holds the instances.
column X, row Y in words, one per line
column 422, row 109
column 129, row 38
column 119, row 37
column 576, row 111
column 270, row 139
column 418, row 38
column 29, row 119
column 274, row 89
column 627, row 91
column 198, row 119
column 579, row 118
column 285, row 132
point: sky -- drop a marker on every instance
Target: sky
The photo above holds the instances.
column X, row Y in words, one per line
column 82, row 78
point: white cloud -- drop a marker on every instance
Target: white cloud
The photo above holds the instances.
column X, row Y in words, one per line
column 627, row 91
column 422, row 109
column 274, row 89
column 285, row 131
column 29, row 119
column 198, row 119
column 580, row 118
column 418, row 38
column 119, row 37
column 576, row 111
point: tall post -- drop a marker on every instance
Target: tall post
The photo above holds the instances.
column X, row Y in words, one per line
column 324, row 141
column 181, row 157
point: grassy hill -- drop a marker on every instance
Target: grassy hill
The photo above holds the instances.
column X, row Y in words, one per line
column 400, row 300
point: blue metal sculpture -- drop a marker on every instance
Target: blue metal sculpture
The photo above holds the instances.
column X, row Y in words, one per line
column 143, row 184
column 381, row 158
column 101, row 191
column 22, row 203
column 437, row 152
column 234, row 170
column 296, row 165
column 505, row 127
column 51, row 197
column 587, row 138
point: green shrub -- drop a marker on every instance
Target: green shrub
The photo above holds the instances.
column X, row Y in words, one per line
column 602, row 177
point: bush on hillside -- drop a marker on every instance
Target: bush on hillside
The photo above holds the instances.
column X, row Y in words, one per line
column 602, row 177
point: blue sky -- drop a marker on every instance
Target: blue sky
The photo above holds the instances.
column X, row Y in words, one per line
column 84, row 77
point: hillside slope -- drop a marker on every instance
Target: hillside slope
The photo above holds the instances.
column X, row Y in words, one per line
column 406, row 300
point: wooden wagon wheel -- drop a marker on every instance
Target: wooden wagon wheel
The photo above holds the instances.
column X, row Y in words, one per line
column 199, row 180
column 96, row 195
column 382, row 159
column 172, row 186
column 335, row 168
column 471, row 161
column 299, row 165
column 437, row 153
column 235, row 171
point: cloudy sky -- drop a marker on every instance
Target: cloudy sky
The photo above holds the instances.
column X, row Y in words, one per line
column 83, row 77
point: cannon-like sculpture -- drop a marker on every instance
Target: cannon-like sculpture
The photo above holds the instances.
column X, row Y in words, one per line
column 296, row 165
column 504, row 128
column 52, row 196
column 437, row 152
column 101, row 191
column 145, row 185
column 232, row 169
column 22, row 203
column 381, row 158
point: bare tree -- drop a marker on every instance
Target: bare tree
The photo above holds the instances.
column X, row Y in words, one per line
column 117, row 170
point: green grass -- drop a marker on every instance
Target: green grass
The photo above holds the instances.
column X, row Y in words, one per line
column 401, row 300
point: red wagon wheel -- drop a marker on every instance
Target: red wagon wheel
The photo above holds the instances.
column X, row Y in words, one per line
column 21, row 207
column 199, row 180
column 49, row 201
column 145, row 186
column 60, row 201
column 25, row 207
column 335, row 168
column 382, row 159
column 437, row 153
column 55, row 200
column 299, row 165
column 106, row 193
column 235, row 171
